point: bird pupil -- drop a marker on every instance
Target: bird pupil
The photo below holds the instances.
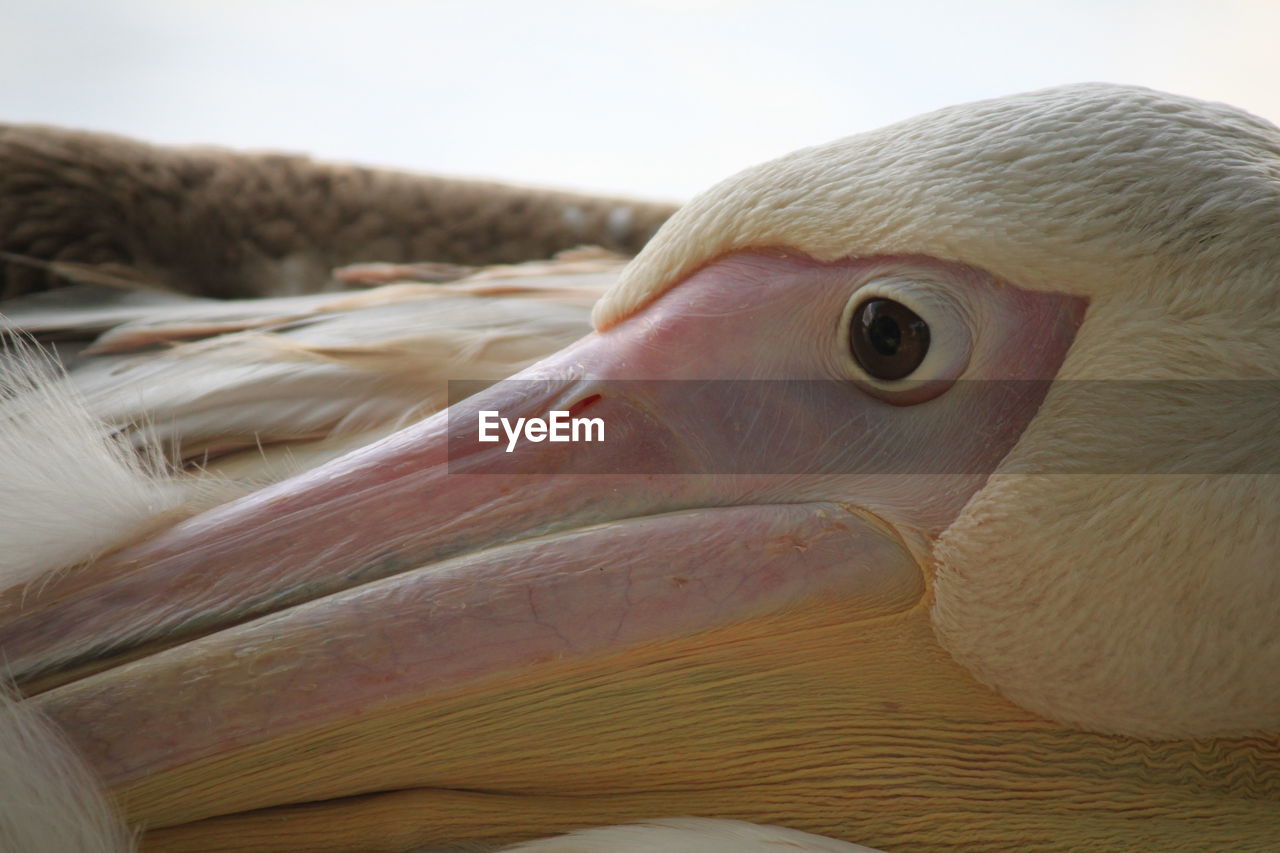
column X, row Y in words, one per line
column 885, row 335
column 889, row 340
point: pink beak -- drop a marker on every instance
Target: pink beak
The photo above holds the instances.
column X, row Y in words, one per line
column 738, row 475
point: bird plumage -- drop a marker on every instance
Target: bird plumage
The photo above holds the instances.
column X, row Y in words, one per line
column 1113, row 578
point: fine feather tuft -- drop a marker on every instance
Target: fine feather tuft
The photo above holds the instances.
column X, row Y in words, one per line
column 70, row 488
column 51, row 801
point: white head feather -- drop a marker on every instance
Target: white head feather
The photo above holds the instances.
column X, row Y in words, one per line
column 1139, row 603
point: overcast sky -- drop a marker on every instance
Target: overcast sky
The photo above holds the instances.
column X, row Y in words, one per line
column 648, row 97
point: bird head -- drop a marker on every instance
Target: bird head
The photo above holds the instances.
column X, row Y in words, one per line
column 961, row 431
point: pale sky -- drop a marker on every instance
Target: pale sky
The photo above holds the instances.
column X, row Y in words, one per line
column 647, row 97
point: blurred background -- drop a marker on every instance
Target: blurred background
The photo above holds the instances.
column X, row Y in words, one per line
column 655, row 98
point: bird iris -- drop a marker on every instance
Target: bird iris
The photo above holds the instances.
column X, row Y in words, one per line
column 888, row 339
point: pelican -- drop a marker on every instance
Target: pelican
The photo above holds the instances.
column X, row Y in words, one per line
column 936, row 510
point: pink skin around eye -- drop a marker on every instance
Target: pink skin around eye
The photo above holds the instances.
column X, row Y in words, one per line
column 430, row 560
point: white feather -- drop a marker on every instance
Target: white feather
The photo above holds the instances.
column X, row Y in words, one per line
column 265, row 388
column 49, row 801
column 68, row 487
column 689, row 835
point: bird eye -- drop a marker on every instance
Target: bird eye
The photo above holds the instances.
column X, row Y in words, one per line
column 888, row 340
column 891, row 350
